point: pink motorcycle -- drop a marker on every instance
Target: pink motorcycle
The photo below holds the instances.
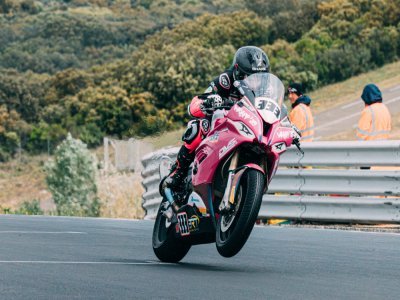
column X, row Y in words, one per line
column 232, row 169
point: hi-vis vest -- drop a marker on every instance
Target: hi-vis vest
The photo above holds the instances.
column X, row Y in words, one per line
column 301, row 116
column 375, row 123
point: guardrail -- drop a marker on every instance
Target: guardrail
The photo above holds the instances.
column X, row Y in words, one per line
column 326, row 184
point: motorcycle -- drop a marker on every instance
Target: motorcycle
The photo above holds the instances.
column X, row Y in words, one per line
column 232, row 169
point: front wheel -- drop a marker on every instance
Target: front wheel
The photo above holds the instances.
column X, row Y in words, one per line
column 165, row 246
column 234, row 228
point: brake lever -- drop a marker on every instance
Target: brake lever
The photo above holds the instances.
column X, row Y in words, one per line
column 297, row 143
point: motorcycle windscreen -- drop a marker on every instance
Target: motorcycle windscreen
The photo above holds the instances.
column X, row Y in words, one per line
column 269, row 93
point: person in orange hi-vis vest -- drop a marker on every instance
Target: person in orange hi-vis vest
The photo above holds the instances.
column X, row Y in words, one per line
column 375, row 122
column 301, row 114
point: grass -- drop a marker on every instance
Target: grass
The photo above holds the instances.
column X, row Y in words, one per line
column 172, row 138
column 121, row 195
column 22, row 180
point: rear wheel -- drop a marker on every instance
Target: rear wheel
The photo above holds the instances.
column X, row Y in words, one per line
column 234, row 227
column 165, row 246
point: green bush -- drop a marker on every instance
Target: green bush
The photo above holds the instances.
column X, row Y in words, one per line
column 30, row 208
column 71, row 179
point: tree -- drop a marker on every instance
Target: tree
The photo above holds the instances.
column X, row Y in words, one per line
column 71, row 179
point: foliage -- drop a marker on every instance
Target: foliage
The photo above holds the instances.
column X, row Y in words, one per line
column 30, row 208
column 49, row 36
column 123, row 68
column 71, row 179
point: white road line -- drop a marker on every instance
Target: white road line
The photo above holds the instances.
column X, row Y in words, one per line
column 358, row 102
column 391, row 100
column 54, row 262
column 351, row 116
column 350, row 104
column 337, row 121
column 42, row 232
column 395, row 88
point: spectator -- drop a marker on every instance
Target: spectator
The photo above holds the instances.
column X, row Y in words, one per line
column 375, row 122
column 301, row 114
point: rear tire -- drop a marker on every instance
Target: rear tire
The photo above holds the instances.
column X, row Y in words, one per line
column 165, row 246
column 234, row 229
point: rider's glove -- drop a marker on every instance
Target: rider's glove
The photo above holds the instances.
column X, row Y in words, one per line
column 213, row 101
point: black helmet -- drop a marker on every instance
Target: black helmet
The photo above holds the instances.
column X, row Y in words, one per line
column 249, row 60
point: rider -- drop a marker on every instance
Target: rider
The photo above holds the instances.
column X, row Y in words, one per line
column 247, row 60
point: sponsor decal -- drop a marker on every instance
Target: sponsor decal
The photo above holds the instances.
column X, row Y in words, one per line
column 279, row 147
column 194, row 222
column 245, row 130
column 258, row 68
column 244, row 115
column 183, row 223
column 283, row 134
column 205, row 124
column 195, row 200
column 214, row 138
column 226, row 148
column 224, row 81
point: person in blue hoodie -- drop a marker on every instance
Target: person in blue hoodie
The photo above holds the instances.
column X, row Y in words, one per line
column 375, row 122
column 301, row 114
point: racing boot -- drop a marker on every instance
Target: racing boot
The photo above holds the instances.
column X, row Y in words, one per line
column 179, row 170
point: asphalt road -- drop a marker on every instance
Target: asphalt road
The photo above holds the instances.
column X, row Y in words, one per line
column 78, row 258
column 345, row 117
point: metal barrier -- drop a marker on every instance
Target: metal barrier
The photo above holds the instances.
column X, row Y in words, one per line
column 326, row 184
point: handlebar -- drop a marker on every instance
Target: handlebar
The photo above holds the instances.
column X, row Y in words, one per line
column 215, row 108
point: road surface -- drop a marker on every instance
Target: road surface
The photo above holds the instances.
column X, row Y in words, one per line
column 85, row 258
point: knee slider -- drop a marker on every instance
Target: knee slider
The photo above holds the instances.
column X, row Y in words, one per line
column 194, row 128
column 191, row 132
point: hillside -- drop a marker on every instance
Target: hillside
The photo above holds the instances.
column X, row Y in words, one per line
column 23, row 180
column 127, row 68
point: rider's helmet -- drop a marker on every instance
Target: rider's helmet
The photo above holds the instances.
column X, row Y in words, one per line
column 249, row 60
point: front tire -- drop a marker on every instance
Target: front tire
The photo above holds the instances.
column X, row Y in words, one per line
column 234, row 228
column 165, row 246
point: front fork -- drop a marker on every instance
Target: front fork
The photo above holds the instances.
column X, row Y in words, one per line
column 229, row 194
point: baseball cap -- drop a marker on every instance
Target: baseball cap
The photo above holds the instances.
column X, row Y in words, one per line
column 295, row 88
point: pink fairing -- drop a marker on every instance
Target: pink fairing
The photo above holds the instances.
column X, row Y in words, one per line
column 254, row 166
column 256, row 125
column 195, row 108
